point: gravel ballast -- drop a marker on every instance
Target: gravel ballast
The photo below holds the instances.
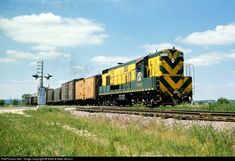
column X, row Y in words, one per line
column 148, row 121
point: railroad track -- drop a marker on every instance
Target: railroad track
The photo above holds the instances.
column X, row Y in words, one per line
column 176, row 114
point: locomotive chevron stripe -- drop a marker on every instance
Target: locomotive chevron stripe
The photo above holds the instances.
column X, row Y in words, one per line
column 188, row 89
column 163, row 70
column 186, row 84
column 162, row 86
column 172, row 65
column 180, row 72
column 173, row 69
column 171, row 84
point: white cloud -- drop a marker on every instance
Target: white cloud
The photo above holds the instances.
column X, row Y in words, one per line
column 7, row 60
column 13, row 54
column 211, row 58
column 49, row 30
column 19, row 54
column 232, row 55
column 45, row 48
column 78, row 67
column 48, row 34
column 206, row 59
column 153, row 47
column 102, row 60
column 221, row 35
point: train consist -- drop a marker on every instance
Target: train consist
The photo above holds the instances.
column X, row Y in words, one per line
column 156, row 79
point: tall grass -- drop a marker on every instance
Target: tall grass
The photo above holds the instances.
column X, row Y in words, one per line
column 44, row 133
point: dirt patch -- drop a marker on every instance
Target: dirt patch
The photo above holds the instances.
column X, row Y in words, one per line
column 86, row 133
column 15, row 111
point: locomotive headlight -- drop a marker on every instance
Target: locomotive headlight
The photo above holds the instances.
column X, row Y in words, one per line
column 164, row 54
column 190, row 98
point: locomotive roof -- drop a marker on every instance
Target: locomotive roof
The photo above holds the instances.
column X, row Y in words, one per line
column 150, row 55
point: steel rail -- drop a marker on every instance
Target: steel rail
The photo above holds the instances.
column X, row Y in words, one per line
column 177, row 114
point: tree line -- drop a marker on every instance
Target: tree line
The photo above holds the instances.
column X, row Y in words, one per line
column 15, row 101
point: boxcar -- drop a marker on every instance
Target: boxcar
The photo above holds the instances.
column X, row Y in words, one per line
column 92, row 86
column 57, row 96
column 80, row 90
column 64, row 92
column 33, row 100
column 50, row 96
column 71, row 90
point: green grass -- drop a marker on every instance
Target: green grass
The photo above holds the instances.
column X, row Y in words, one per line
column 55, row 132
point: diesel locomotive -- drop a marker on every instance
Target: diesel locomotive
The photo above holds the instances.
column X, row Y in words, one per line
column 156, row 79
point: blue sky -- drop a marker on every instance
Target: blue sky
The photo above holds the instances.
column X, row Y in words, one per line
column 79, row 38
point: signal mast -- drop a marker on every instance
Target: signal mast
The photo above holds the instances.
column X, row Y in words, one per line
column 41, row 94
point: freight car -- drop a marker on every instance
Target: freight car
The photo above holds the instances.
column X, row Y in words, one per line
column 57, row 96
column 156, row 79
column 68, row 91
column 31, row 100
column 87, row 90
column 50, row 96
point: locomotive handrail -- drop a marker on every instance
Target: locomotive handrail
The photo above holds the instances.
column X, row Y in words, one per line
column 189, row 66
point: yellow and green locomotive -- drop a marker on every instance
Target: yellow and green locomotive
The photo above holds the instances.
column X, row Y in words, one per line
column 156, row 79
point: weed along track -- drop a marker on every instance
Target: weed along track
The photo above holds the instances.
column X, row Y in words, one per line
column 73, row 132
column 176, row 114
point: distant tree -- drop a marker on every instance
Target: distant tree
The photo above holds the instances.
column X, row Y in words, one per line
column 24, row 98
column 15, row 102
column 2, row 102
column 223, row 100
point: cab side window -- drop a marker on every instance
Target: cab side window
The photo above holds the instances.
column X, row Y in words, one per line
column 138, row 67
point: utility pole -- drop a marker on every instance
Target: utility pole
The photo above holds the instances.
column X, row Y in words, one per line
column 41, row 94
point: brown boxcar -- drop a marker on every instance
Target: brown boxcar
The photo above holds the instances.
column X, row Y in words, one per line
column 91, row 87
column 79, row 90
column 71, row 89
column 64, row 92
column 50, row 96
column 57, row 95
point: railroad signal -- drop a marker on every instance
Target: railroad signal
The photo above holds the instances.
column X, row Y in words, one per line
column 48, row 76
column 41, row 89
column 36, row 76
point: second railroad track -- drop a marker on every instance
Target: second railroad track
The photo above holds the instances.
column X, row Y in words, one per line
column 176, row 114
